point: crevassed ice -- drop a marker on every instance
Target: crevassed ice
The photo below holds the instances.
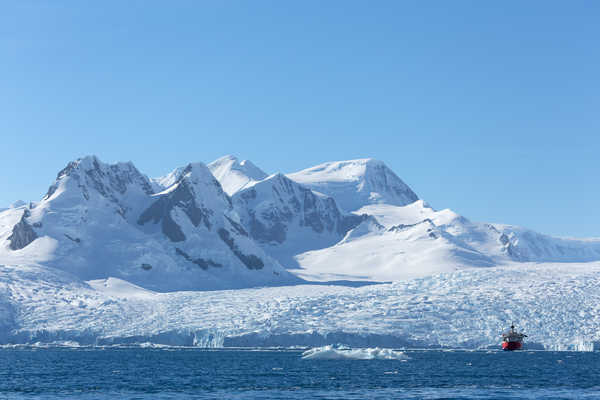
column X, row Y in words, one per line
column 556, row 305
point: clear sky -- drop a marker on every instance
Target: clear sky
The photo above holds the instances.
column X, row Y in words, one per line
column 489, row 108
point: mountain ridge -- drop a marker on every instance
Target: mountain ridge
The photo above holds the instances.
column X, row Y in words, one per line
column 99, row 220
column 185, row 231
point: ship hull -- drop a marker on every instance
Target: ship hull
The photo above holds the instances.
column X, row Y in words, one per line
column 509, row 346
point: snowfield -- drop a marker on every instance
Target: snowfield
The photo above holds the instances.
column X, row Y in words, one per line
column 557, row 305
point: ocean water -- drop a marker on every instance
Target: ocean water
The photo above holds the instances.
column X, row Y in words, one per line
column 168, row 373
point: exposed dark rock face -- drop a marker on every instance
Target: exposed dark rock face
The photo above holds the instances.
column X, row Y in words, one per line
column 116, row 178
column 237, row 227
column 312, row 217
column 22, row 234
column 274, row 232
column 250, row 261
column 76, row 240
column 202, row 263
column 146, row 267
column 172, row 230
column 351, row 221
column 108, row 180
column 160, row 211
column 401, row 227
column 183, row 198
column 51, row 190
column 289, row 203
column 381, row 178
column 510, row 249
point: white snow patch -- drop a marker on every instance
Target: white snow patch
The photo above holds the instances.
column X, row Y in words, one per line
column 120, row 288
column 234, row 175
column 356, row 183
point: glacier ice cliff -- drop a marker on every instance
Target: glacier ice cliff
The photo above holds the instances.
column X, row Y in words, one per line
column 557, row 305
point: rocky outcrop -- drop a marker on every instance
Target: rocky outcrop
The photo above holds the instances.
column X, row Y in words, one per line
column 108, row 180
column 276, row 205
column 101, row 220
column 22, row 234
column 402, row 227
column 201, row 262
column 249, row 260
column 183, row 198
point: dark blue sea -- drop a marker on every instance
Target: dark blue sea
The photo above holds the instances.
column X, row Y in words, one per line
column 234, row 374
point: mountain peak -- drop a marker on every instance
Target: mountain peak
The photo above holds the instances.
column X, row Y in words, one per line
column 197, row 172
column 17, row 204
column 356, row 183
column 234, row 174
column 88, row 172
column 93, row 163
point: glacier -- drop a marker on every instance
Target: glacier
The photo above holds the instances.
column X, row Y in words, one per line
column 229, row 225
column 226, row 255
column 557, row 305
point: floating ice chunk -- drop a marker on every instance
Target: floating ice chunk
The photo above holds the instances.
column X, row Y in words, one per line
column 57, row 343
column 343, row 353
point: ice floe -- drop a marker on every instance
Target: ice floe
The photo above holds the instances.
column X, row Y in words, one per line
column 345, row 353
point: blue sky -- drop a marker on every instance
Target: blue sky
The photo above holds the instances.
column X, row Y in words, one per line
column 491, row 109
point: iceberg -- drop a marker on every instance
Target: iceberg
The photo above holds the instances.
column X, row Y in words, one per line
column 343, row 353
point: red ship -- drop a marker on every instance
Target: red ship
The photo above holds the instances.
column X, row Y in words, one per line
column 512, row 340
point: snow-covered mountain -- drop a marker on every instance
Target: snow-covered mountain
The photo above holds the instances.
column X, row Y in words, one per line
column 89, row 263
column 99, row 220
column 14, row 204
column 184, row 231
column 356, row 183
column 234, row 175
column 409, row 238
column 287, row 218
column 416, row 241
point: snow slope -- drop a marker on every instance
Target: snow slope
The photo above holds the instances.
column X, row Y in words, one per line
column 234, row 175
column 184, row 231
column 99, row 220
column 557, row 305
column 416, row 241
column 356, row 183
column 286, row 218
column 104, row 256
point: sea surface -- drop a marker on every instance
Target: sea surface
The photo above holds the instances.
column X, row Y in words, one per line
column 183, row 373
